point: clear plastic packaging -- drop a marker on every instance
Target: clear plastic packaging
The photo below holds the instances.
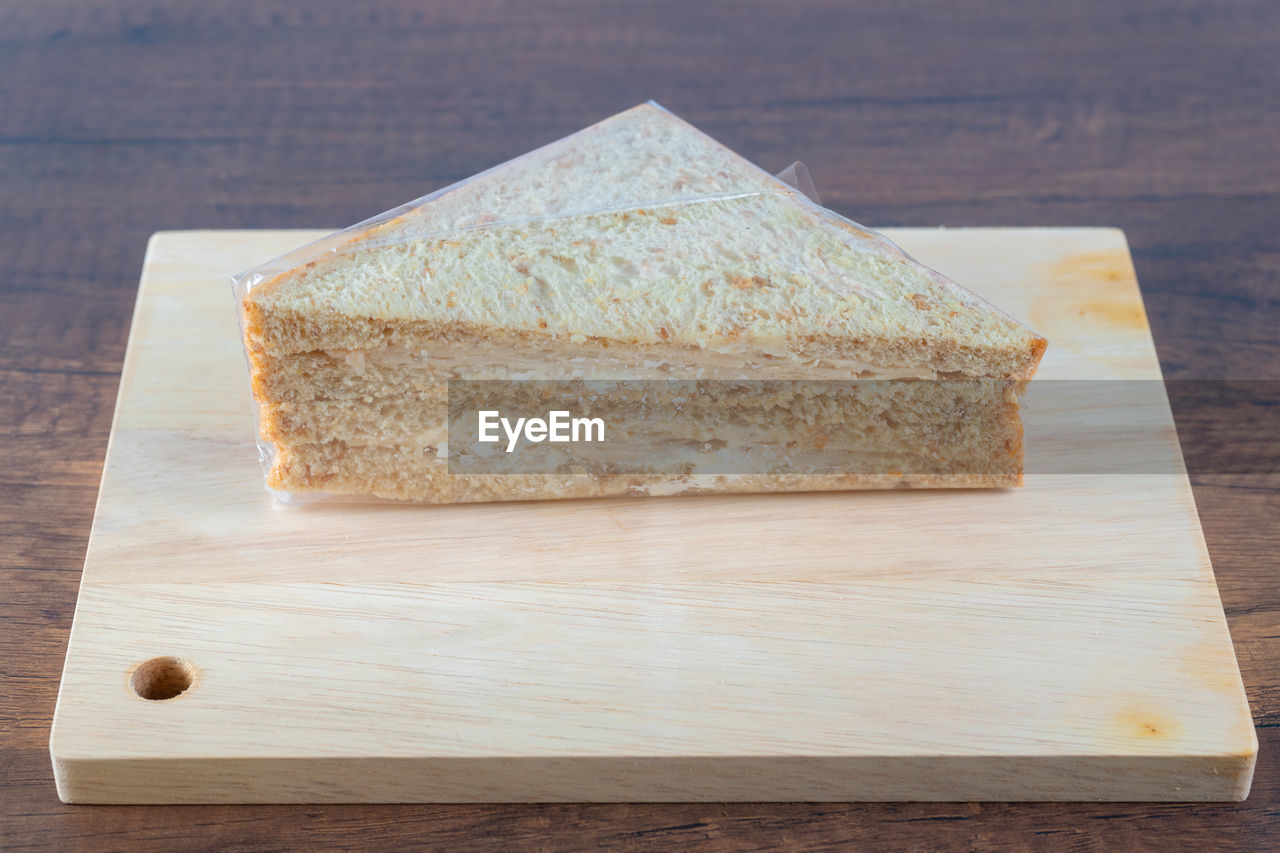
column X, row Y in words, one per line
column 575, row 201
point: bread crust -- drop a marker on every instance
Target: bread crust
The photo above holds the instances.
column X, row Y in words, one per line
column 376, row 472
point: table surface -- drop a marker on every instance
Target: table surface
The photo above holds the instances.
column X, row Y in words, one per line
column 1158, row 117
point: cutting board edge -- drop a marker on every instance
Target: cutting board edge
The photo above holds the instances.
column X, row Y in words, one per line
column 888, row 778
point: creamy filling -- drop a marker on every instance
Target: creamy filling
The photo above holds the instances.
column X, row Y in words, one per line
column 556, row 361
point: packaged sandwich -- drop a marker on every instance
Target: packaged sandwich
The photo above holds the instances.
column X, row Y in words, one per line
column 724, row 331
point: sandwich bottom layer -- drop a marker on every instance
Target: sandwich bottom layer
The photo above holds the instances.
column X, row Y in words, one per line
column 420, row 475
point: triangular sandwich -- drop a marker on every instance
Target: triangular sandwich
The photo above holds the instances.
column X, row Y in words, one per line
column 638, row 249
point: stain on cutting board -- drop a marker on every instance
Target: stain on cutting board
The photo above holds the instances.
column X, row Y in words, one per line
column 1087, row 286
column 1142, row 723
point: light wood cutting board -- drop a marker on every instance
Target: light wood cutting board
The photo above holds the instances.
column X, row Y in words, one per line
column 1064, row 641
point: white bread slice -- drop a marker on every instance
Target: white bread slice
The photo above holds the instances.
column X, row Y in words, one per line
column 635, row 242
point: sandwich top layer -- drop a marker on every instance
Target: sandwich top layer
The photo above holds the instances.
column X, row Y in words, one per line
column 638, row 232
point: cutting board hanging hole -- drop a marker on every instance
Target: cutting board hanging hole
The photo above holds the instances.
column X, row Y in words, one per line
column 162, row 678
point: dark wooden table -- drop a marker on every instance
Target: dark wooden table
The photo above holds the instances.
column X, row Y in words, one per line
column 120, row 119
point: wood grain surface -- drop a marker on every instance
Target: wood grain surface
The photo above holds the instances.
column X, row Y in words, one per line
column 1061, row 641
column 123, row 119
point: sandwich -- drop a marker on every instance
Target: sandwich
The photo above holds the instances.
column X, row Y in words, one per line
column 613, row 267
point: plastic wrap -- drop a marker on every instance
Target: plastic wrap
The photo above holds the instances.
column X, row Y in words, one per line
column 643, row 163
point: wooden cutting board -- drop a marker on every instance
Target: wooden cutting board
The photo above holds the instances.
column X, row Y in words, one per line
column 1064, row 641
